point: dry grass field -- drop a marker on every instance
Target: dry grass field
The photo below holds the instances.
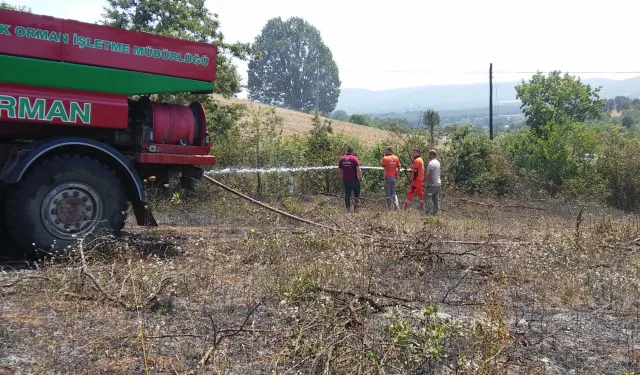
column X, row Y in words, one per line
column 488, row 287
column 298, row 122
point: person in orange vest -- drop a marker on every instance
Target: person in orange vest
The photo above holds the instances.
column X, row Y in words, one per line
column 391, row 165
column 417, row 180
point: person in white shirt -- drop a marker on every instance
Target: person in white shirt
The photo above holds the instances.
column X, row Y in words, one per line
column 432, row 180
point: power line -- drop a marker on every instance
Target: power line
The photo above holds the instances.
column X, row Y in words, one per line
column 485, row 73
column 511, row 72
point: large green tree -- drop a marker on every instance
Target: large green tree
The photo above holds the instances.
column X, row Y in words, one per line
column 558, row 99
column 184, row 19
column 294, row 69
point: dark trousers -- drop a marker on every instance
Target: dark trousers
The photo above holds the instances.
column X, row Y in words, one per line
column 351, row 186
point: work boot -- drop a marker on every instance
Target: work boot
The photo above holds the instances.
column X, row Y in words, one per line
column 406, row 205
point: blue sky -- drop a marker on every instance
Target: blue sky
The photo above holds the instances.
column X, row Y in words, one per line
column 419, row 42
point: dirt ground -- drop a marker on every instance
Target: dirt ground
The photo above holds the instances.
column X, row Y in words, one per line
column 487, row 287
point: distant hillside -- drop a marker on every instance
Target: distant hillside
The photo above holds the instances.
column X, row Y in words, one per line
column 457, row 97
column 299, row 122
column 504, row 114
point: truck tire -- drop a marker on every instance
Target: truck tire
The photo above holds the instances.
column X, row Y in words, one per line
column 63, row 199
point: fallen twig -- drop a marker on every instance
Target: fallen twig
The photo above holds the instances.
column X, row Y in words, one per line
column 490, row 242
column 465, row 200
column 177, row 335
column 455, row 286
column 25, row 278
column 218, row 337
column 376, row 306
column 96, row 284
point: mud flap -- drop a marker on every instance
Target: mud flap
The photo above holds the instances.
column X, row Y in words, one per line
column 144, row 216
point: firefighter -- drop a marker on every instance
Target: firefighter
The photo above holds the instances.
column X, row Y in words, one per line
column 417, row 180
column 432, row 181
column 351, row 176
column 391, row 165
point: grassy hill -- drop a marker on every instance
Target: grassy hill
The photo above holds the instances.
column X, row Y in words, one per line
column 298, row 122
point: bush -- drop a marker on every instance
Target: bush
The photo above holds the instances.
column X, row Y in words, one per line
column 619, row 166
column 559, row 160
column 594, row 161
column 468, row 160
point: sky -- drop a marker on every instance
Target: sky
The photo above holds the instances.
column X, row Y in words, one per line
column 408, row 43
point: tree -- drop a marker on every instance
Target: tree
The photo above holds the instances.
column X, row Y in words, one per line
column 610, row 105
column 627, row 121
column 558, row 99
column 431, row 120
column 260, row 132
column 359, row 119
column 340, row 115
column 295, row 68
column 319, row 145
column 622, row 103
column 184, row 19
column 19, row 8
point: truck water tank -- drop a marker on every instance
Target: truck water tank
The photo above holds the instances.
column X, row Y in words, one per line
column 177, row 124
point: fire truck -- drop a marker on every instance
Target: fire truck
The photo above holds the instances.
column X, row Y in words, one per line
column 80, row 136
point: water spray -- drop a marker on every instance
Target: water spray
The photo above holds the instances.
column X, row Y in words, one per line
column 281, row 170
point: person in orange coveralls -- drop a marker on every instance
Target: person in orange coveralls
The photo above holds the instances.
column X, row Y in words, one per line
column 391, row 165
column 417, row 179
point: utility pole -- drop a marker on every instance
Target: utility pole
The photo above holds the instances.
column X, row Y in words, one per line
column 491, row 101
column 317, row 83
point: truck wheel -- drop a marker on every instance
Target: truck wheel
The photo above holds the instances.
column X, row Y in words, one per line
column 64, row 198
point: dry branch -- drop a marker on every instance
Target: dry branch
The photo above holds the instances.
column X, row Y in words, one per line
column 363, row 298
column 465, row 200
column 219, row 336
column 25, row 278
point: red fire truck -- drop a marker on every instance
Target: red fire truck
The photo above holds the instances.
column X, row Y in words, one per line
column 75, row 148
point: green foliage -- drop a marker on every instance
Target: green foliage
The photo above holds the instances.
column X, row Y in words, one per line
column 395, row 124
column 319, row 143
column 468, row 160
column 295, row 68
column 431, row 120
column 622, row 103
column 360, row 119
column 619, row 165
column 429, row 342
column 627, row 121
column 558, row 99
column 260, row 136
column 19, row 8
column 222, row 118
column 560, row 160
column 340, row 115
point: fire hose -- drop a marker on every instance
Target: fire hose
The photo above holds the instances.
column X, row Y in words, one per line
column 230, row 190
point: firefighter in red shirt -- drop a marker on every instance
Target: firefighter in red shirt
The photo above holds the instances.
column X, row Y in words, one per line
column 351, row 175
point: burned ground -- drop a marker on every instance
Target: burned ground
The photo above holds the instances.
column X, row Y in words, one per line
column 488, row 287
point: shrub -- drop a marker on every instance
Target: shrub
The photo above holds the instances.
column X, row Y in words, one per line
column 619, row 166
